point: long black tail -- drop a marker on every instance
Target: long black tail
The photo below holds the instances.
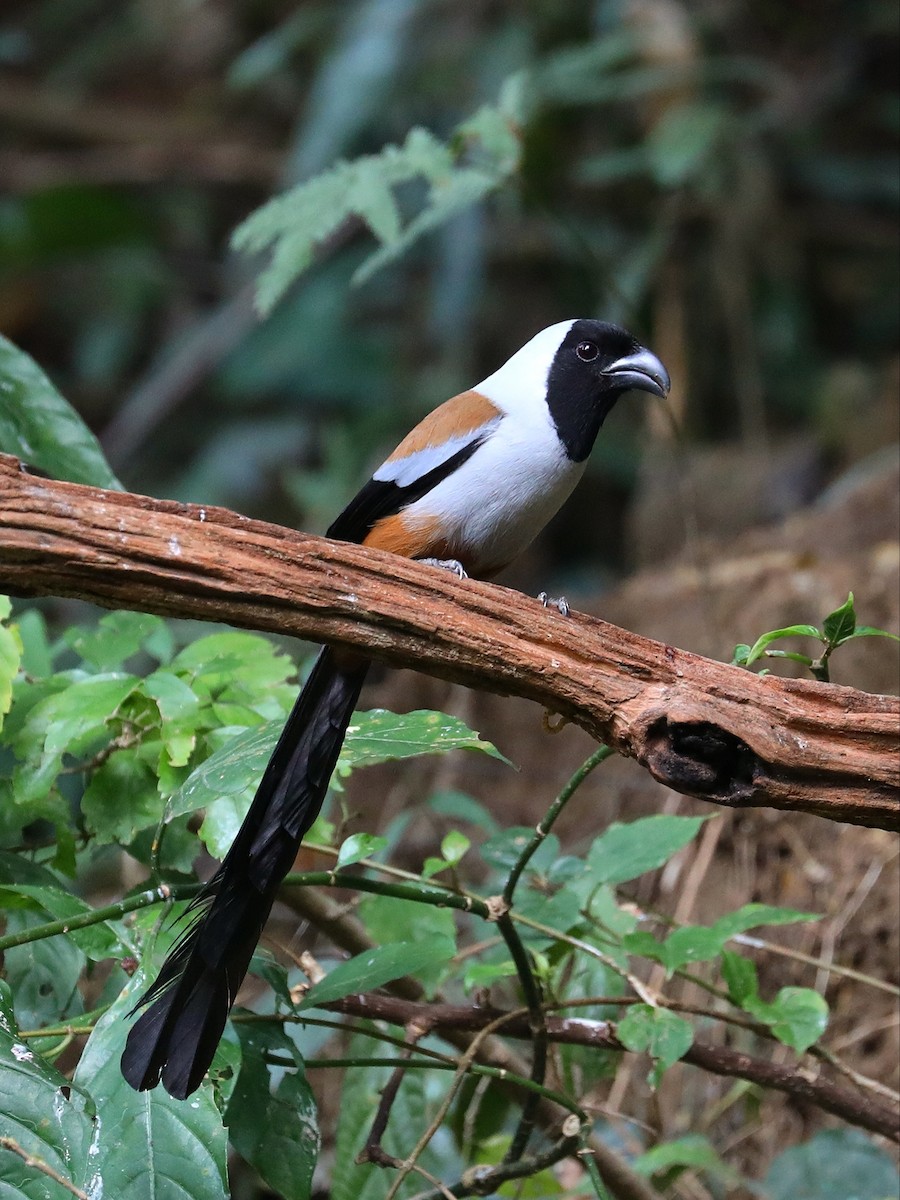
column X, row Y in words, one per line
column 176, row 1037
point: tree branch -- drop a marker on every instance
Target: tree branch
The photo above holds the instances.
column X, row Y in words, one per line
column 799, row 1082
column 701, row 727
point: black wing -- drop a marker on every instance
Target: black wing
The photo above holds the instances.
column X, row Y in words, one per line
column 381, row 498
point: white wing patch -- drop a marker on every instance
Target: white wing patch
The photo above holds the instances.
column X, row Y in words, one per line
column 407, row 470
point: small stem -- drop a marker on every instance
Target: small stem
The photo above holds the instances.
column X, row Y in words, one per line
column 111, row 912
column 482, row 1181
column 547, row 822
column 589, row 1162
column 463, row 1067
column 758, row 943
column 30, row 1160
column 438, row 897
column 431, row 1064
column 373, row 1151
column 531, row 987
column 531, row 990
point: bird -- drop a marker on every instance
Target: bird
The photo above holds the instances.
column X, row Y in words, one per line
column 467, row 489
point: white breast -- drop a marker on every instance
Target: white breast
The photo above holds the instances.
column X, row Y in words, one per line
column 496, row 503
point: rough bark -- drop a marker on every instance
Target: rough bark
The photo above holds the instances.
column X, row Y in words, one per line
column 701, row 727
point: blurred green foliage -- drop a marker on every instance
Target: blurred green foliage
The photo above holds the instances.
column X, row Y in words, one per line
column 723, row 179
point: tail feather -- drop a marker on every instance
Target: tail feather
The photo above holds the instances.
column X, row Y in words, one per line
column 187, row 1007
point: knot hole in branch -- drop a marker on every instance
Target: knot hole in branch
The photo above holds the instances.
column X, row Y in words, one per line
column 703, row 758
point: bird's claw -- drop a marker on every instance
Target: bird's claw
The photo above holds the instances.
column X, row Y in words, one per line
column 447, row 564
column 560, row 603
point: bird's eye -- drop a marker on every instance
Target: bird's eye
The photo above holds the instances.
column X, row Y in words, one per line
column 587, row 351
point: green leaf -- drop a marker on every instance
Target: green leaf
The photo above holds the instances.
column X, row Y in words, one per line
column 45, row 1116
column 543, row 1185
column 118, row 636
column 224, row 783
column 294, row 223
column 359, row 1100
column 793, row 655
column 483, row 974
column 665, row 1036
column 740, row 977
column 504, row 849
column 483, row 153
column 699, row 943
column 10, row 656
column 741, row 655
column 659, row 1031
column 233, row 661
column 66, row 722
column 146, row 1136
column 582, row 73
column 613, row 166
column 388, row 918
column 625, row 851
column 37, row 659
column 751, row 916
column 380, row 736
column 378, row 966
column 123, row 774
column 797, row 1016
column 454, row 846
column 758, row 648
column 359, row 846
column 560, row 910
column 360, row 1096
column 41, row 428
column 276, row 1132
column 463, row 188
column 835, row 1163
column 43, row 974
column 232, row 771
column 840, row 624
column 692, row 1151
column 460, row 807
column 176, row 701
column 433, row 866
column 614, row 919
column 869, row 631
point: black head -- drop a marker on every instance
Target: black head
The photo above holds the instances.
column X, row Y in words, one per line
column 594, row 365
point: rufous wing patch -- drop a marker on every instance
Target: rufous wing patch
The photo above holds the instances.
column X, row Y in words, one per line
column 454, row 418
column 421, row 537
column 409, row 537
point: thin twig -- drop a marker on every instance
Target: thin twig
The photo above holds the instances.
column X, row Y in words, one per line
column 111, row 912
column 465, row 1062
column 31, row 1160
column 373, row 1151
column 798, row 1081
column 530, row 983
column 484, row 1180
column 531, row 989
column 757, row 943
column 547, row 822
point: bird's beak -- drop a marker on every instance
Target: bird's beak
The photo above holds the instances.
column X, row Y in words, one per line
column 641, row 372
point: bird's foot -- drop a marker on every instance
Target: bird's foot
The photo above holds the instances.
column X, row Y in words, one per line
column 447, row 564
column 560, row 603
